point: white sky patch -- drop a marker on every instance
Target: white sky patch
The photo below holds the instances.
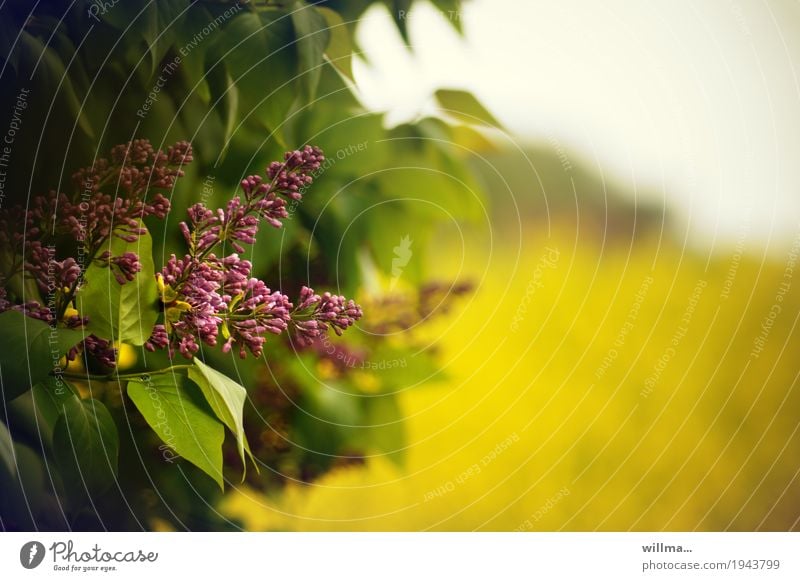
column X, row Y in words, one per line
column 696, row 101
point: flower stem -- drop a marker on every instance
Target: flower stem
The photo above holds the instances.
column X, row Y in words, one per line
column 118, row 376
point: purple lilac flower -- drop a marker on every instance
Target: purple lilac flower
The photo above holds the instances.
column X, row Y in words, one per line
column 158, row 207
column 239, row 223
column 75, row 321
column 159, row 339
column 51, row 275
column 200, row 319
column 204, row 295
column 173, row 270
column 193, row 302
column 134, row 169
column 110, row 197
column 203, row 230
column 187, row 345
column 272, row 209
column 4, row 303
column 236, row 275
column 259, row 311
column 143, row 167
column 316, row 314
column 125, row 267
column 254, row 186
column 294, row 174
column 101, row 350
column 37, row 261
column 266, row 202
column 201, row 286
column 96, row 347
column 35, row 310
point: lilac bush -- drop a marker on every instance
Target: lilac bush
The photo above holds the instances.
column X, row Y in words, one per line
column 208, row 296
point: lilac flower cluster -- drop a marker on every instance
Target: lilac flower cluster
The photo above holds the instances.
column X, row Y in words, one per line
column 290, row 177
column 133, row 171
column 188, row 289
column 124, row 267
column 205, row 296
column 237, row 223
column 31, row 309
column 202, row 296
column 315, row 314
column 259, row 311
column 100, row 349
column 111, row 197
column 135, row 168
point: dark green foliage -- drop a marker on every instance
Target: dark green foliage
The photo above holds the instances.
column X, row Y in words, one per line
column 243, row 83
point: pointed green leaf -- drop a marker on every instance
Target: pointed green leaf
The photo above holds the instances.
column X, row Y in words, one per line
column 7, row 456
column 86, row 447
column 464, row 106
column 312, row 35
column 450, row 9
column 340, row 47
column 46, row 401
column 125, row 312
column 176, row 411
column 399, row 10
column 259, row 53
column 224, row 97
column 51, row 76
column 226, row 398
column 30, row 350
column 154, row 22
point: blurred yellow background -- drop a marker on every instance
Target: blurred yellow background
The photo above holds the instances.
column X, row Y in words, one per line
column 593, row 384
column 628, row 360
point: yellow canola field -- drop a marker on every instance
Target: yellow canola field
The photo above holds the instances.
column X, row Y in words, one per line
column 629, row 387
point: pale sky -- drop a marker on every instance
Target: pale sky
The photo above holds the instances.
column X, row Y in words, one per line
column 695, row 100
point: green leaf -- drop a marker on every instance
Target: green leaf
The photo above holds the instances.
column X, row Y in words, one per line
column 312, row 34
column 30, row 350
column 36, row 412
column 52, row 78
column 25, row 492
column 175, row 410
column 258, row 51
column 340, row 47
column 7, row 450
column 86, row 447
column 225, row 101
column 207, row 129
column 226, row 398
column 193, row 60
column 399, row 10
column 464, row 106
column 47, row 400
column 154, row 22
column 450, row 9
column 126, row 312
